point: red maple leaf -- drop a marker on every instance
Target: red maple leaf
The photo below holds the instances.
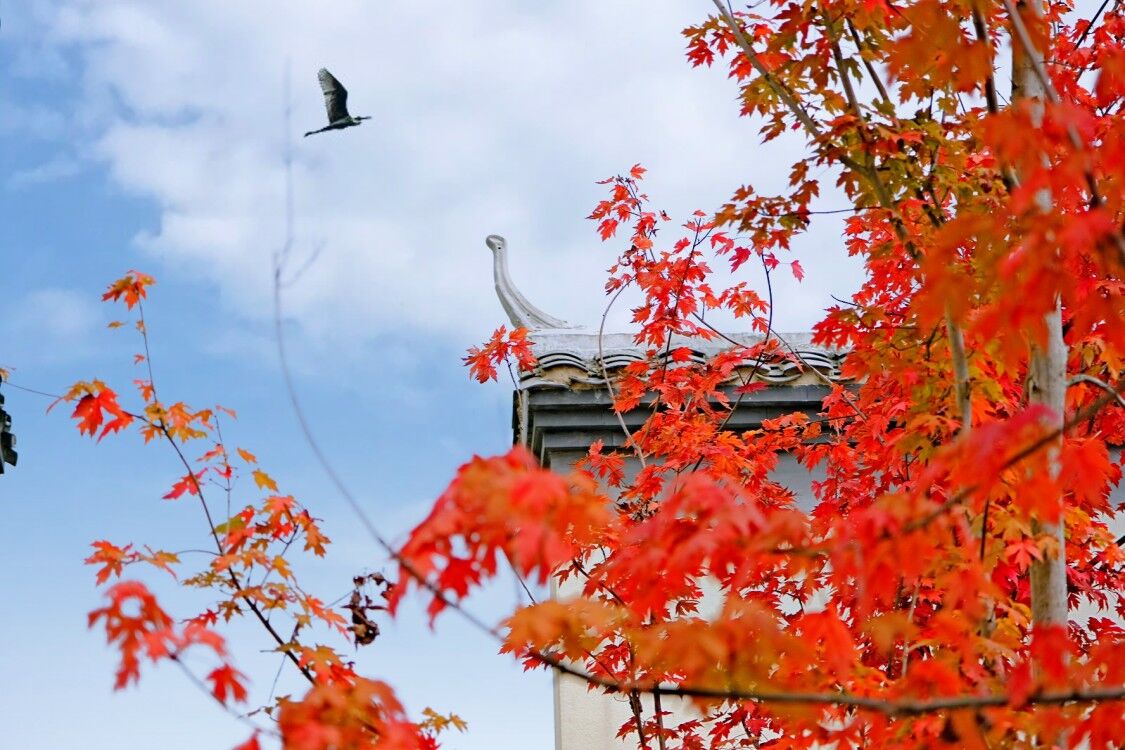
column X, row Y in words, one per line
column 227, row 684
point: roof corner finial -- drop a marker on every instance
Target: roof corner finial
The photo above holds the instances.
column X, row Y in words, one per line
column 522, row 313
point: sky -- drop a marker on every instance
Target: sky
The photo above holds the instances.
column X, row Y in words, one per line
column 153, row 135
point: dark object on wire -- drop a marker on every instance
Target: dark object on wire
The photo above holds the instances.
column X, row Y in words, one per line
column 336, row 102
column 7, row 439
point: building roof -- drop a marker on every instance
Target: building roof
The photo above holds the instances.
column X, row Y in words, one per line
column 577, row 358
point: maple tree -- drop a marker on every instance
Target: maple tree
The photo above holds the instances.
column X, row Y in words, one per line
column 250, row 574
column 931, row 596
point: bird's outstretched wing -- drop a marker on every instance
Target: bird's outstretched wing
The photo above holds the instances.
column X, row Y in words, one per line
column 335, row 96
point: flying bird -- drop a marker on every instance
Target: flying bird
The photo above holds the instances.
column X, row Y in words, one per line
column 336, row 102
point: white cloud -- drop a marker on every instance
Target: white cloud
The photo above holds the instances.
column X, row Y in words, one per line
column 494, row 116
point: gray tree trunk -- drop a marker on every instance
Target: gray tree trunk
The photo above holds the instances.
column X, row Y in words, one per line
column 1046, row 386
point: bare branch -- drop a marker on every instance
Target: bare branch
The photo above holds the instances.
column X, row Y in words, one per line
column 889, row 707
column 194, row 680
column 875, row 78
column 1083, row 378
column 1093, row 20
column 609, row 383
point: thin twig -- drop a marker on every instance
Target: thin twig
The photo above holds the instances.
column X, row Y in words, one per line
column 870, row 68
column 746, row 381
column 233, row 577
column 194, row 680
column 281, row 663
column 1093, row 20
column 659, row 713
column 162, row 426
column 1083, row 378
column 609, row 383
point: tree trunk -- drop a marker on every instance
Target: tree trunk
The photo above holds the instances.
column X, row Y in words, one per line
column 1047, row 386
column 1046, row 382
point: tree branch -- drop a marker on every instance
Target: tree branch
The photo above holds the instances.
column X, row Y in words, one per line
column 1029, row 450
column 870, row 68
column 1093, row 20
column 888, row 706
column 1019, row 31
column 1083, row 378
column 776, row 86
column 961, row 384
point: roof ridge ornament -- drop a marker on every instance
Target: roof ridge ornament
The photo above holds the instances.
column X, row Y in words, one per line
column 522, row 313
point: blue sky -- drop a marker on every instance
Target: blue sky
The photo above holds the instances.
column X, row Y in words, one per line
column 151, row 135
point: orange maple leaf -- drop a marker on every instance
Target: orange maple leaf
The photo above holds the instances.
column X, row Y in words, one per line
column 264, row 481
column 132, row 287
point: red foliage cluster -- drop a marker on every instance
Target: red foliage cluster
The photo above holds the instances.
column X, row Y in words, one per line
column 907, row 609
column 510, row 348
column 250, row 573
column 900, row 612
